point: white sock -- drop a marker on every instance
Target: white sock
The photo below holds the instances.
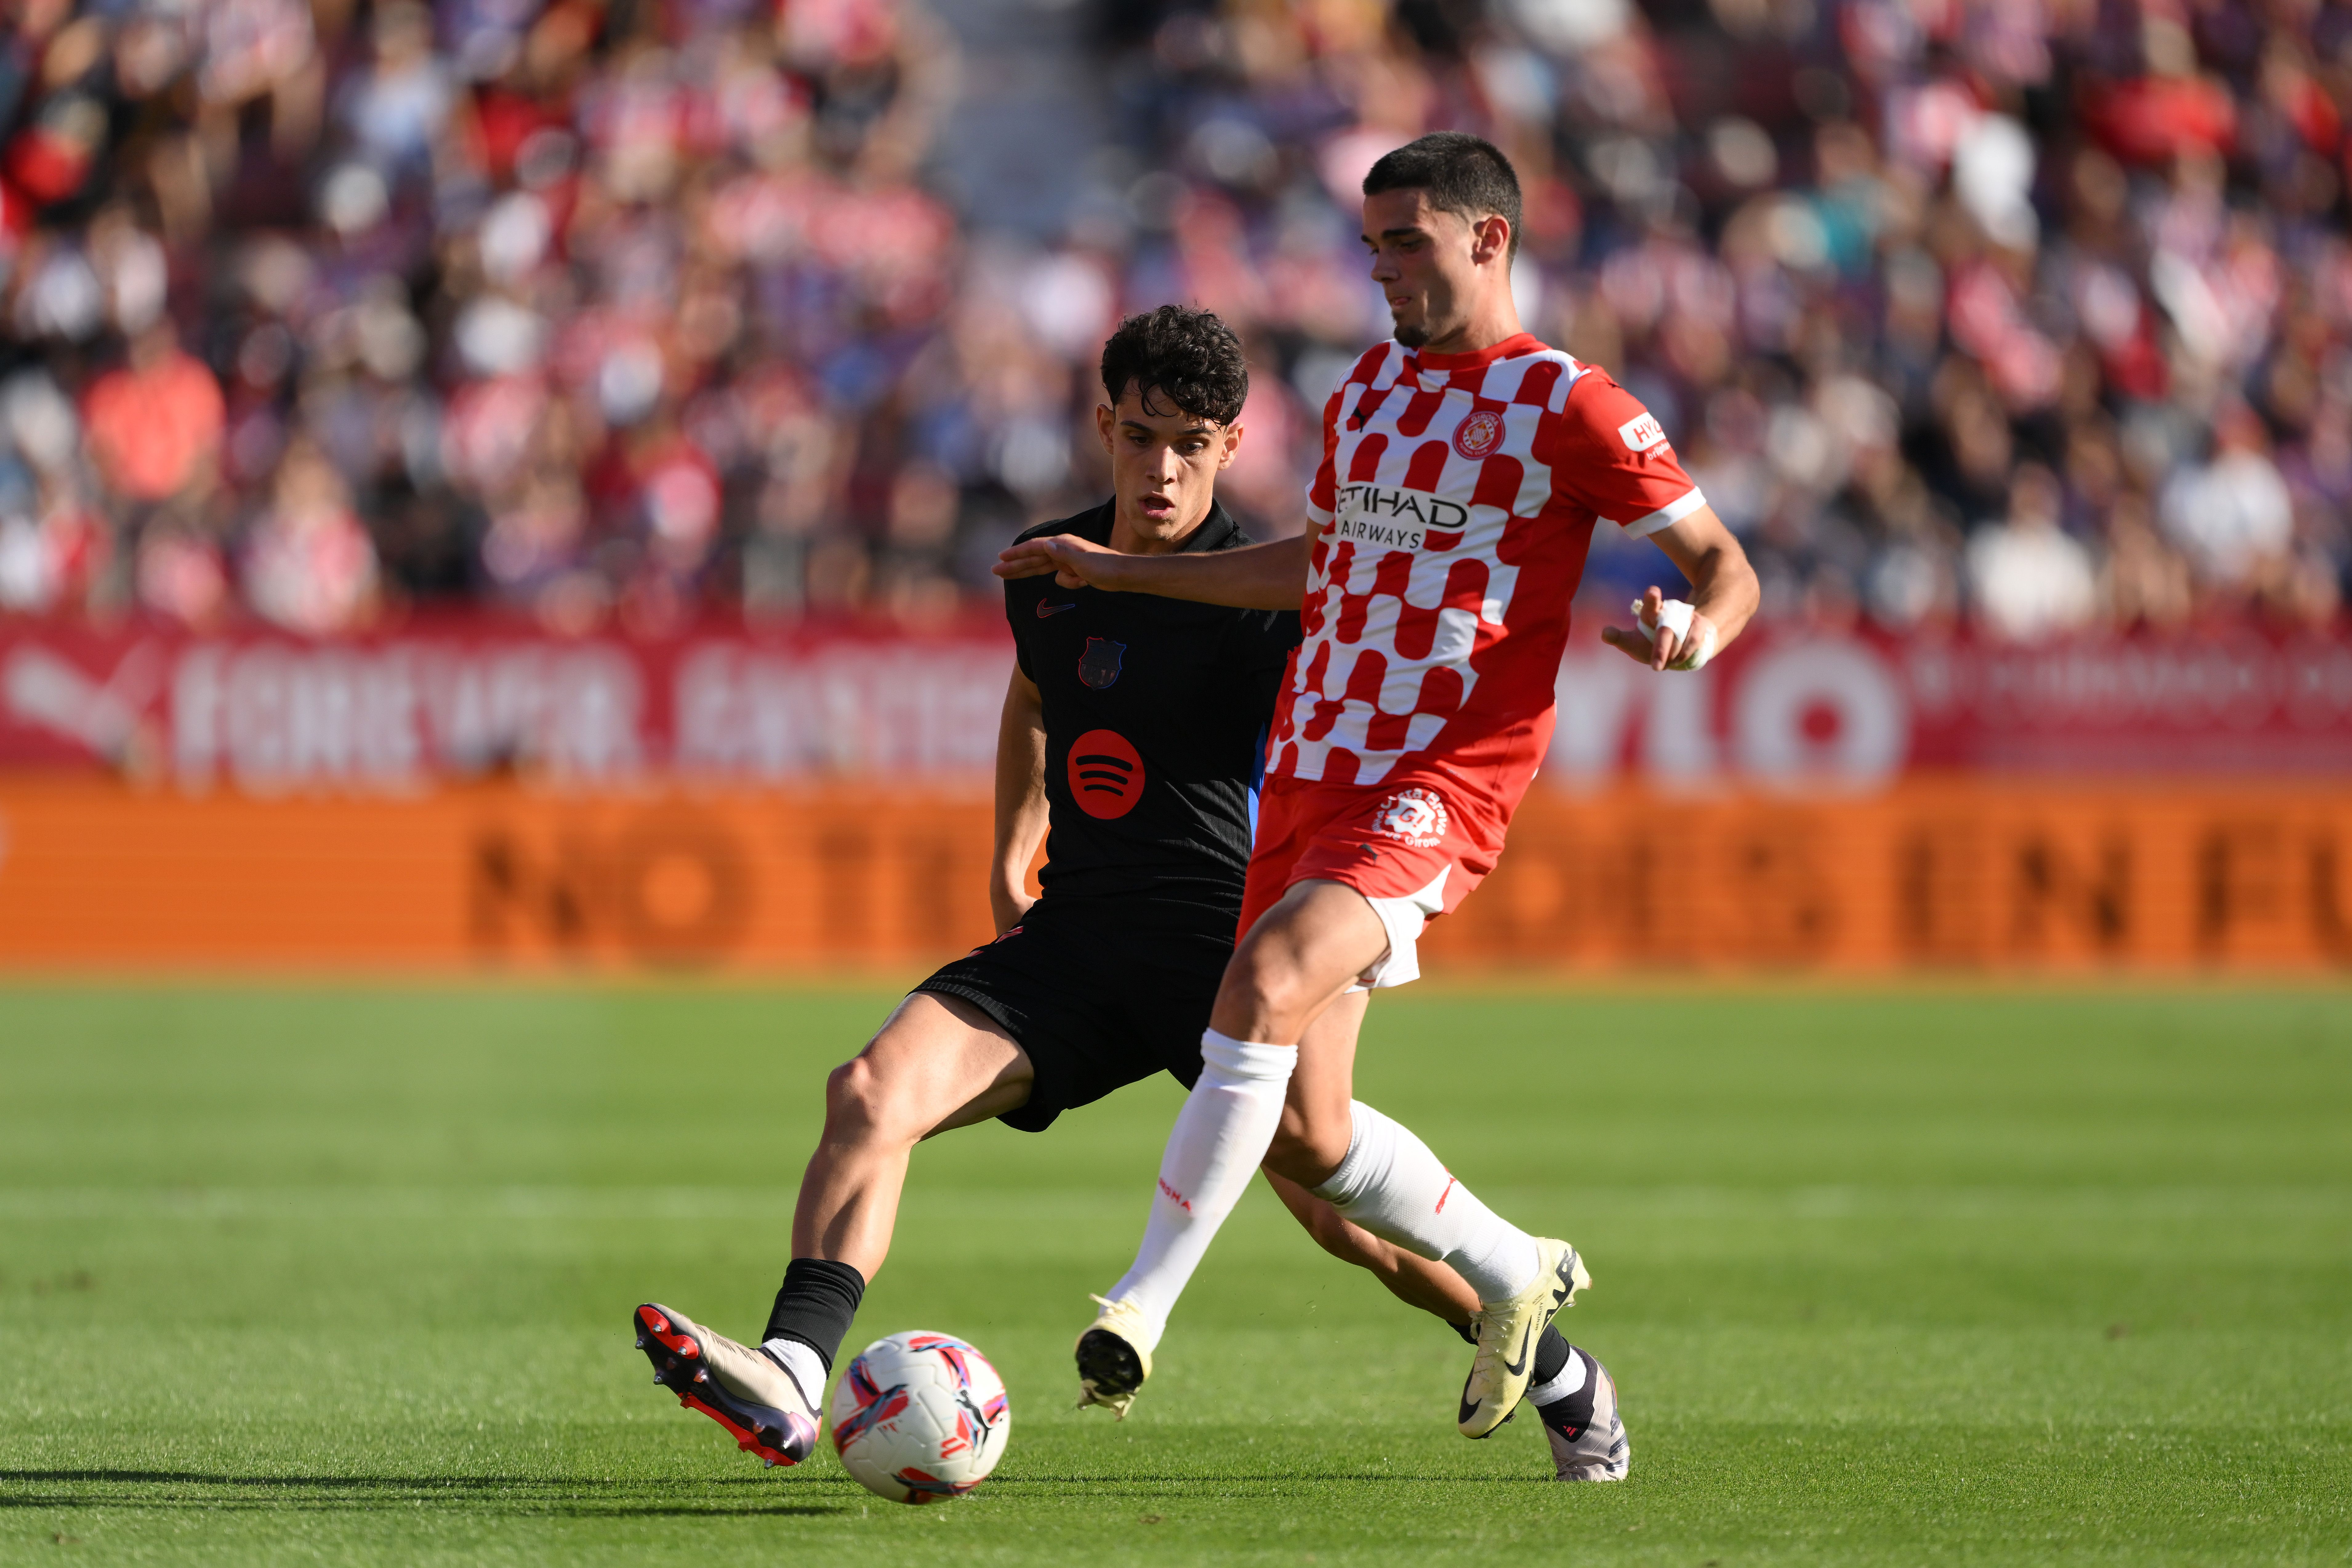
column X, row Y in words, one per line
column 800, row 1361
column 1570, row 1379
column 1393, row 1186
column 1218, row 1140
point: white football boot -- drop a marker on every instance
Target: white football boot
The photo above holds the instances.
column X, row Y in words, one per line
column 1587, row 1436
column 1507, row 1332
column 749, row 1392
column 1112, row 1362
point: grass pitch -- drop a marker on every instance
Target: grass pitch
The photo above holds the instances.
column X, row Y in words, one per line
column 344, row 1276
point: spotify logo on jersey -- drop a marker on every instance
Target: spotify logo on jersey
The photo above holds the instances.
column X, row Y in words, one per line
column 1106, row 774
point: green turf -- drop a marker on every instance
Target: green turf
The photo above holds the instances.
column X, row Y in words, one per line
column 344, row 1276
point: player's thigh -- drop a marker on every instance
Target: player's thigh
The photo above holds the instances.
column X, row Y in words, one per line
column 937, row 1062
column 1299, row 958
column 1317, row 1119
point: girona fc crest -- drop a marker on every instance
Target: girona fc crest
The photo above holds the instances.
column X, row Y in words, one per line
column 1414, row 817
column 1098, row 665
column 1480, row 432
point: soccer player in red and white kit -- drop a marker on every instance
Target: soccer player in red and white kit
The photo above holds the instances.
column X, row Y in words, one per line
column 1465, row 467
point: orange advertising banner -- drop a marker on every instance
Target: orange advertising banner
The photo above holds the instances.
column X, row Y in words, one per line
column 1932, row 874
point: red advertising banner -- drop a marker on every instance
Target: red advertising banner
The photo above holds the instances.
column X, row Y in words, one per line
column 468, row 699
column 1860, row 711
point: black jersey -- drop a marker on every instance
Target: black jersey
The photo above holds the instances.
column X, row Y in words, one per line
column 1156, row 713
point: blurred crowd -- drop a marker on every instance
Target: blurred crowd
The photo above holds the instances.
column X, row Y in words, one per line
column 2030, row 314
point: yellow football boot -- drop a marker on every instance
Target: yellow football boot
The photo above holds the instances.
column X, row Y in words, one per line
column 1507, row 1332
column 1112, row 1362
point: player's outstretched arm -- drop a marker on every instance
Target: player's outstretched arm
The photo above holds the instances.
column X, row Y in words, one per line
column 1724, row 595
column 1020, row 810
column 1270, row 576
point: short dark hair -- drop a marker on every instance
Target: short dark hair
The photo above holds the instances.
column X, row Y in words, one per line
column 1190, row 357
column 1464, row 174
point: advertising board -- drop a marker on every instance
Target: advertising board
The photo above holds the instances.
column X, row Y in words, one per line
column 462, row 699
column 1951, row 875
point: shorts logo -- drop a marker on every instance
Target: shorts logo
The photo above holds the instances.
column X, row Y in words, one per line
column 1106, row 774
column 1414, row 817
column 1479, row 433
column 1098, row 665
column 1642, row 432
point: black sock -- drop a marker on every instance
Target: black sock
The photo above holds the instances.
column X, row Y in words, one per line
column 1551, row 1354
column 819, row 1299
column 1571, row 1414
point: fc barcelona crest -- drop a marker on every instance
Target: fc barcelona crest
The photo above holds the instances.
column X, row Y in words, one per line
column 1098, row 665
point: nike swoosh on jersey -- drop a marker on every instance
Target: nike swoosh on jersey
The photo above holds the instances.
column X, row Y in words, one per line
column 1045, row 609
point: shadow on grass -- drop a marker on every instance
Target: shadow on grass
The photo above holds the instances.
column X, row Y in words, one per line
column 596, row 1497
column 1111, row 1485
column 575, row 1497
column 571, row 1485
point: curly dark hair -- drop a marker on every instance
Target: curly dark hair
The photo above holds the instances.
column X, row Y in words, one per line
column 1463, row 175
column 1189, row 356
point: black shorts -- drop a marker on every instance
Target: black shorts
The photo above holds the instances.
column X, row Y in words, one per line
column 1099, row 993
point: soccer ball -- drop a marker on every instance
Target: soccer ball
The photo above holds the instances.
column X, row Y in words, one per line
column 920, row 1416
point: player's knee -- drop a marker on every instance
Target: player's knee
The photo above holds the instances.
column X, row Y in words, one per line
column 861, row 1102
column 1264, row 985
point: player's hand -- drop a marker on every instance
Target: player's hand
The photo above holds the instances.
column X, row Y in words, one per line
column 1074, row 562
column 1667, row 647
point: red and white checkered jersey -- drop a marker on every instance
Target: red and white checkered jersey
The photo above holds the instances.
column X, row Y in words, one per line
column 1453, row 511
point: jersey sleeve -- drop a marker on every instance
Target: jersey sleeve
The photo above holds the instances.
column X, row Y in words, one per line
column 1323, row 492
column 1609, row 453
column 1013, row 624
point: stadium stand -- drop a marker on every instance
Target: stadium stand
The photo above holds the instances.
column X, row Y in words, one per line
column 2028, row 315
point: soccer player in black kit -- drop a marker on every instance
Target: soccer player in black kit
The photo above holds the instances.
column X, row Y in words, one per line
column 1136, row 726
